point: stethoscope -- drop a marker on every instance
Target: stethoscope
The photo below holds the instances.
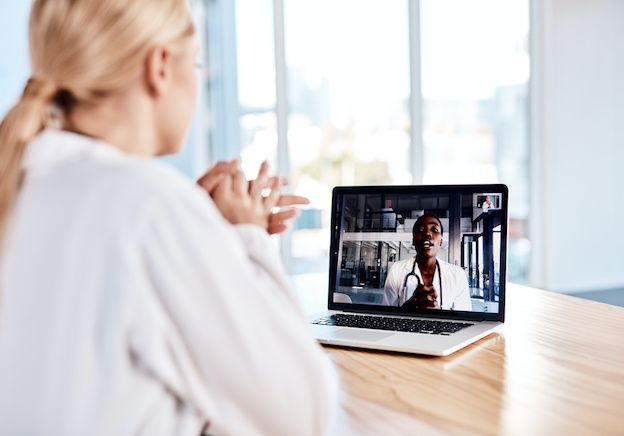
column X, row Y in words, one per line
column 412, row 273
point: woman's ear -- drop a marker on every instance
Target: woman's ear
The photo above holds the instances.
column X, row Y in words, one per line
column 158, row 70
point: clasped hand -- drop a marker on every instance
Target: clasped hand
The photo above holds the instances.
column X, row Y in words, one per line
column 250, row 202
column 424, row 297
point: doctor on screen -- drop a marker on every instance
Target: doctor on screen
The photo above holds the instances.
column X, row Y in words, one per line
column 426, row 282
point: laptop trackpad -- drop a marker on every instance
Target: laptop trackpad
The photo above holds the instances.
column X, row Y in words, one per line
column 359, row 335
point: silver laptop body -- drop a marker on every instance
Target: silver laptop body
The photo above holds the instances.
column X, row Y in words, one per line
column 380, row 236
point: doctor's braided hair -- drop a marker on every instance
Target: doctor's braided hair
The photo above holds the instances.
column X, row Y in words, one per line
column 80, row 52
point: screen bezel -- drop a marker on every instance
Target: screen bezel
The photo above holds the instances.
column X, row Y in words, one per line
column 336, row 216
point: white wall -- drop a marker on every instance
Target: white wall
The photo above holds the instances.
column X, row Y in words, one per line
column 578, row 144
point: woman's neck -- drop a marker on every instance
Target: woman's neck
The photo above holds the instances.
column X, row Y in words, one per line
column 426, row 264
column 122, row 121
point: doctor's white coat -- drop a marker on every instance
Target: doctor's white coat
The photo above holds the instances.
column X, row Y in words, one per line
column 455, row 291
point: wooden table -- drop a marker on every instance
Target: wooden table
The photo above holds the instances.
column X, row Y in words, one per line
column 556, row 367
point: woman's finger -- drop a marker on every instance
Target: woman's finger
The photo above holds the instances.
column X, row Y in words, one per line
column 270, row 201
column 277, row 221
column 261, row 182
column 284, row 215
column 223, row 189
column 292, row 200
column 239, row 183
column 214, row 182
column 275, row 228
column 213, row 176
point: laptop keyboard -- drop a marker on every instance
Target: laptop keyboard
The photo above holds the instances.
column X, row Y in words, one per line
column 390, row 323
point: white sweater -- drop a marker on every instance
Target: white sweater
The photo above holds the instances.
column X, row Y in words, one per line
column 129, row 306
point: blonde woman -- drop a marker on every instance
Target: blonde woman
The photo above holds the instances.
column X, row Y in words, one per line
column 131, row 302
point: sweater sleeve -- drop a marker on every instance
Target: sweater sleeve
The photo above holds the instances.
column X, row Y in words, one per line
column 264, row 259
column 242, row 351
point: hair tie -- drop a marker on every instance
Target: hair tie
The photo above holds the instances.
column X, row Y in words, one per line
column 38, row 88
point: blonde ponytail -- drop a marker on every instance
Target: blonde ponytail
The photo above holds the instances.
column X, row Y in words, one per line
column 80, row 51
column 27, row 118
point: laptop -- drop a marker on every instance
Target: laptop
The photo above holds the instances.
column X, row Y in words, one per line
column 415, row 269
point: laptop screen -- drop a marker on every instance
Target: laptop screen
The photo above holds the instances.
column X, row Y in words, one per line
column 420, row 249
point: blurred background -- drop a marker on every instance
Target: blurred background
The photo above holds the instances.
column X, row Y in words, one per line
column 348, row 92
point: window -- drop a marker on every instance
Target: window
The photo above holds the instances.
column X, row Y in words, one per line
column 371, row 92
column 475, row 73
column 372, row 86
column 348, row 95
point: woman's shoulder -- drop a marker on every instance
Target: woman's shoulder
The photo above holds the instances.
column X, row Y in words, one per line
column 455, row 269
column 99, row 177
column 57, row 155
column 151, row 187
column 402, row 264
column 148, row 175
column 134, row 182
column 147, row 196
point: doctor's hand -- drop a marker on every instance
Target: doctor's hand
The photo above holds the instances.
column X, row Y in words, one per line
column 424, row 297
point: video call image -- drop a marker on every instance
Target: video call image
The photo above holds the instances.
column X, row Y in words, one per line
column 426, row 251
